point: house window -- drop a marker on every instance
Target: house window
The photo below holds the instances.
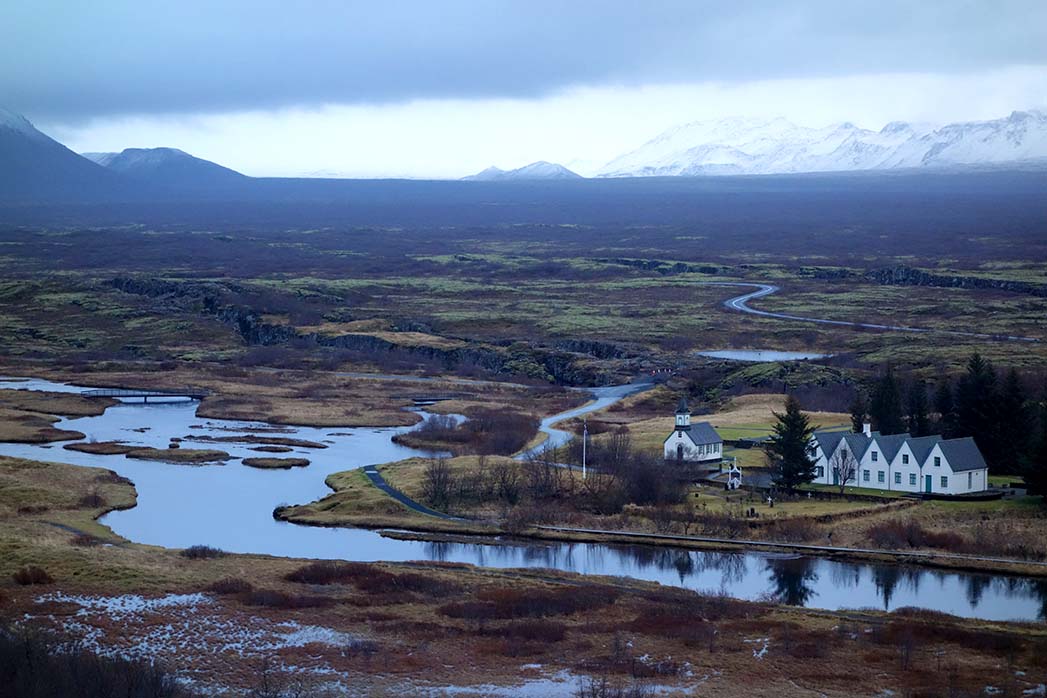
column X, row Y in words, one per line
column 937, row 461
column 865, row 475
column 945, row 482
column 969, row 480
column 876, row 456
column 897, row 478
column 912, row 479
column 821, row 471
column 905, row 459
column 880, row 476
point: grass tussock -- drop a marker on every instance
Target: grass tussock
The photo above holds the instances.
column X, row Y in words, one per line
column 506, row 603
column 371, row 579
column 30, row 575
column 231, row 585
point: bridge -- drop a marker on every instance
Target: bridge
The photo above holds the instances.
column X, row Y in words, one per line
column 187, row 392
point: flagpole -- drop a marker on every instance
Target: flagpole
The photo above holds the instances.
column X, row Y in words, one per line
column 585, row 437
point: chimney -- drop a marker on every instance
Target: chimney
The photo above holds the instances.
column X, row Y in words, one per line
column 867, row 429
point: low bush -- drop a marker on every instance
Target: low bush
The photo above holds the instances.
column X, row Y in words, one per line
column 231, row 585
column 371, row 579
column 33, row 509
column 86, row 540
column 202, row 552
column 793, row 530
column 33, row 665
column 503, row 603
column 270, row 598
column 899, row 535
column 533, row 630
column 31, row 574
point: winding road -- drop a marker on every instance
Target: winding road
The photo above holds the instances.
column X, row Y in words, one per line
column 741, row 304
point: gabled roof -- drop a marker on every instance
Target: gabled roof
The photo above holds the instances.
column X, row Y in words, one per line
column 962, row 454
column 921, row 446
column 858, row 443
column 700, row 433
column 828, row 440
column 890, row 445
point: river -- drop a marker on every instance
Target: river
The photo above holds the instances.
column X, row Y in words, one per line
column 230, row 507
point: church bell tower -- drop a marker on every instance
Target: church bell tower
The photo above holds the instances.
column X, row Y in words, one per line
column 683, row 416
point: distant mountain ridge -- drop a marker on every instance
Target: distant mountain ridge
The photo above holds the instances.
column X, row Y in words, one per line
column 168, row 166
column 777, row 146
column 536, row 170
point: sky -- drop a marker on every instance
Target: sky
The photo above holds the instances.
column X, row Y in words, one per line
column 444, row 88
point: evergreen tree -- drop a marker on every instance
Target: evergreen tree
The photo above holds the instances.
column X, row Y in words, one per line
column 917, row 419
column 859, row 413
column 1014, row 427
column 885, row 407
column 945, row 424
column 790, row 451
column 1035, row 463
column 976, row 407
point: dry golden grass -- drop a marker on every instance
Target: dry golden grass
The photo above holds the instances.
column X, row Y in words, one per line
column 102, row 448
column 63, row 404
column 18, row 426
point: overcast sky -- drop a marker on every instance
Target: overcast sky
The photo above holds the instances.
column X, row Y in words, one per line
column 444, row 88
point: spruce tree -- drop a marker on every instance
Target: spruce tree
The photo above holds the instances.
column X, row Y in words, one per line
column 1035, row 463
column 1014, row 426
column 917, row 419
column 790, row 452
column 945, row 423
column 885, row 407
column 859, row 413
column 977, row 412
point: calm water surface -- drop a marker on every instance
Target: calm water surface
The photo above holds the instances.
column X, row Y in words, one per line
column 757, row 355
column 230, row 507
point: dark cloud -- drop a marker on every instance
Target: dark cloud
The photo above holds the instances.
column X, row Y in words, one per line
column 72, row 60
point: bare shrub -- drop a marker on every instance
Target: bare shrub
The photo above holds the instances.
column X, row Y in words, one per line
column 601, row 687
column 505, row 603
column 438, row 484
column 31, row 574
column 270, row 598
column 86, row 540
column 202, row 552
column 231, row 585
column 34, row 665
column 793, row 530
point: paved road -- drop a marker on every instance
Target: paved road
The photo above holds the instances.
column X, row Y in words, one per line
column 602, row 397
column 741, row 304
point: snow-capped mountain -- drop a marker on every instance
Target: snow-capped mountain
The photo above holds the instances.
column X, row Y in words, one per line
column 536, row 170
column 777, row 146
column 165, row 166
column 33, row 166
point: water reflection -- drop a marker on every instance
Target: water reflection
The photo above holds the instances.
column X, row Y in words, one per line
column 230, row 507
column 792, row 579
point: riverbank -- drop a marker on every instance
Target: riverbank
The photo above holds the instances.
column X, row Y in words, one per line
column 295, row 397
column 397, row 629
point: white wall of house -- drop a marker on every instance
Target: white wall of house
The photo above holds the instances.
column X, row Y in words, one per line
column 904, row 473
column 691, row 452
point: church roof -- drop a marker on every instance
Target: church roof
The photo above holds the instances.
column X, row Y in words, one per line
column 682, row 407
column 701, row 433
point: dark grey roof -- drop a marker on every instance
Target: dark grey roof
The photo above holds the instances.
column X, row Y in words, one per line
column 962, row 454
column 890, row 445
column 703, row 433
column 858, row 443
column 921, row 446
column 682, row 407
column 828, row 440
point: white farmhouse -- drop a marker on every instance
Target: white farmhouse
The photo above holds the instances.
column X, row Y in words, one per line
column 899, row 462
column 693, row 443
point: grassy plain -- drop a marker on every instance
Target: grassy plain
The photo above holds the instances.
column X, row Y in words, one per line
column 413, row 629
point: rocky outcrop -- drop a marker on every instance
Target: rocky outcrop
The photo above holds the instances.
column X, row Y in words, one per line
column 566, row 364
column 908, row 276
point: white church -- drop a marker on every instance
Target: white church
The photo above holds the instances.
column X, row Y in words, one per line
column 693, row 443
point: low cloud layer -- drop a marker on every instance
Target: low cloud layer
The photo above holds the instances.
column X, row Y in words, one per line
column 68, row 62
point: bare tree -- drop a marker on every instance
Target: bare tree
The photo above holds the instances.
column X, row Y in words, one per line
column 506, row 477
column 844, row 467
column 438, row 484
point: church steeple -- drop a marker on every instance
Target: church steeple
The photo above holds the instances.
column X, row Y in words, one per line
column 683, row 416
